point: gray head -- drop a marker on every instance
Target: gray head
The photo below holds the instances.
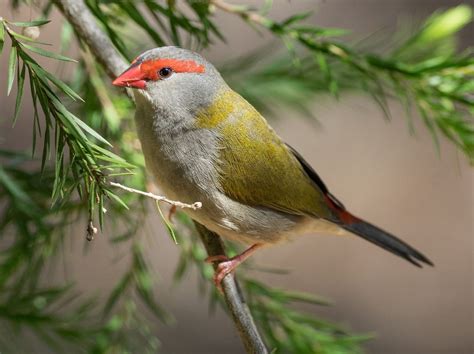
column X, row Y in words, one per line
column 172, row 78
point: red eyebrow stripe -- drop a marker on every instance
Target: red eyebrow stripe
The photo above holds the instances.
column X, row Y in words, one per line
column 151, row 67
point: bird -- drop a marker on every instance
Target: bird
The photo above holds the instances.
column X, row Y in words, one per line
column 204, row 142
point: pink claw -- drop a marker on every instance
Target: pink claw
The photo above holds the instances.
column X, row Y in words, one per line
column 228, row 265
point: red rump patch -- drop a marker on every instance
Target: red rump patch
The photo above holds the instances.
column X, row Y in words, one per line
column 150, row 68
column 341, row 212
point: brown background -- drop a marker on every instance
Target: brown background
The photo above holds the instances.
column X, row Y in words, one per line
column 382, row 173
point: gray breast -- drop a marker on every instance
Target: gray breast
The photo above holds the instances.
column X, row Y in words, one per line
column 180, row 158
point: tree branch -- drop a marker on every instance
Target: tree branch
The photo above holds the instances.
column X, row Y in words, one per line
column 83, row 22
column 233, row 296
column 85, row 25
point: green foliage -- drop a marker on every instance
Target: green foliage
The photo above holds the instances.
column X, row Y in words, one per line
column 33, row 234
column 184, row 23
column 424, row 72
column 291, row 331
column 271, row 85
column 88, row 161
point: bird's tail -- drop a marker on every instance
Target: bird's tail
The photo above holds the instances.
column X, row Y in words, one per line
column 385, row 240
column 376, row 235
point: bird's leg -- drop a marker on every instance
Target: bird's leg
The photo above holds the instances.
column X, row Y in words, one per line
column 228, row 265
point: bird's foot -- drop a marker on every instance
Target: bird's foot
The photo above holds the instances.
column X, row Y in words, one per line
column 228, row 265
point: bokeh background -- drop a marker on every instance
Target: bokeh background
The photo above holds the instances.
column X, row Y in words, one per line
column 380, row 171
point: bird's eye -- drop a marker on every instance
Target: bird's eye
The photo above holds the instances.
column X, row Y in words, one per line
column 165, row 72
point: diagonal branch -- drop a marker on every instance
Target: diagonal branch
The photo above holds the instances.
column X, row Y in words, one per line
column 85, row 25
column 83, row 22
column 233, row 296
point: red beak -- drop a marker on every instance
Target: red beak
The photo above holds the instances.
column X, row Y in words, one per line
column 132, row 77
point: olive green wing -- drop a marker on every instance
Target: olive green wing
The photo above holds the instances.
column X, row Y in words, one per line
column 256, row 167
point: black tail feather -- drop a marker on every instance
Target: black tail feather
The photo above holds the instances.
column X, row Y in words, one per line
column 387, row 241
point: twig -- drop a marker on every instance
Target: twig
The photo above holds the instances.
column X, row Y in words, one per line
column 159, row 198
column 83, row 22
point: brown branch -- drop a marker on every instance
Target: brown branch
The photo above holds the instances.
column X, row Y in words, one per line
column 86, row 28
column 85, row 25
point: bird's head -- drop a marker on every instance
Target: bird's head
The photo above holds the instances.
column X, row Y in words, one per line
column 172, row 77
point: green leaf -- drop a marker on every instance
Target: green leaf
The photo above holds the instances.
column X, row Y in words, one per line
column 44, row 75
column 11, row 69
column 63, row 87
column 169, row 227
column 119, row 290
column 25, row 38
column 31, row 23
column 90, row 131
column 296, row 18
column 117, row 199
column 111, row 157
column 20, row 196
column 144, row 284
column 446, row 23
column 19, row 94
column 2, row 36
column 140, row 20
column 305, row 297
column 66, row 34
column 47, row 53
column 70, row 121
column 436, row 37
column 322, row 32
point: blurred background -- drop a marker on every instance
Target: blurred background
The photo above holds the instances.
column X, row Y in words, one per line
column 376, row 167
